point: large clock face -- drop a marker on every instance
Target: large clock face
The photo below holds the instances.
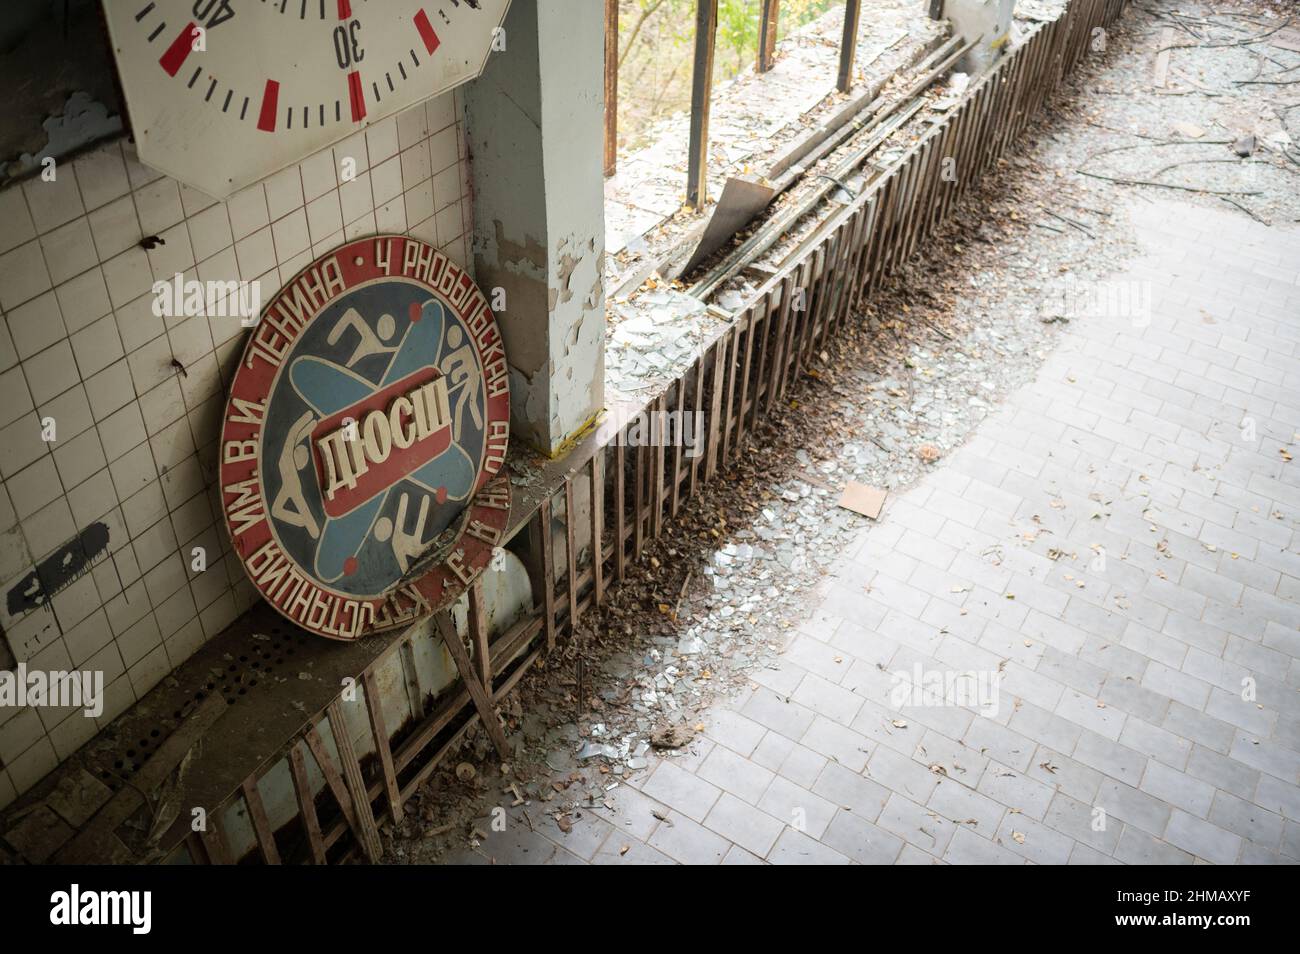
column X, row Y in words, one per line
column 222, row 93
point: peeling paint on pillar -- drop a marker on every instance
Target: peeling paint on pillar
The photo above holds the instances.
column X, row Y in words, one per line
column 535, row 123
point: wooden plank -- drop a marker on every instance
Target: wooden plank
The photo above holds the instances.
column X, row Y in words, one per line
column 788, row 285
column 620, row 510
column 927, row 165
column 333, row 780
column 718, row 384
column 306, row 803
column 598, row 526
column 682, row 418
column 379, row 726
column 769, row 19
column 698, row 405
column 480, row 696
column 864, row 256
column 802, row 296
column 728, row 416
column 706, row 30
column 817, row 288
column 545, row 561
column 476, row 621
column 261, row 824
column 835, row 282
column 848, row 44
column 844, row 280
column 741, row 407
column 764, row 343
column 640, row 464
column 906, row 198
column 611, row 87
column 660, row 462
column 570, row 555
column 352, row 777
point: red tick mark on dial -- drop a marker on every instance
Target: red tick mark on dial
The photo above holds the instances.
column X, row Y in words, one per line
column 426, row 31
column 172, row 60
column 270, row 96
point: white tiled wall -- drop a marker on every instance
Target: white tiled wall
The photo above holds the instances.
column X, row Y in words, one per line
column 136, row 437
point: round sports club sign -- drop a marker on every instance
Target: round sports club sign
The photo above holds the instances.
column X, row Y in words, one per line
column 364, row 441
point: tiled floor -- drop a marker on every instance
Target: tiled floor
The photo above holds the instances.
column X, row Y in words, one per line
column 1113, row 554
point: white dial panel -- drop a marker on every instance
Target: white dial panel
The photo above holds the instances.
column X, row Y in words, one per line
column 222, row 93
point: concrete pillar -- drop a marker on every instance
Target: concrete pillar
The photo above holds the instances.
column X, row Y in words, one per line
column 535, row 121
column 988, row 19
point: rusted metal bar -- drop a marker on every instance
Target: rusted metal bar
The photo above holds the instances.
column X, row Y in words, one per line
column 767, row 25
column 611, row 87
column 706, row 31
column 848, row 44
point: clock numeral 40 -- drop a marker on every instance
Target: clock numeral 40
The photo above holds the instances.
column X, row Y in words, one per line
column 212, row 13
column 347, row 45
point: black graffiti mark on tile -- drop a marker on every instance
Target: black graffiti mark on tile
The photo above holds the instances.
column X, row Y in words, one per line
column 60, row 569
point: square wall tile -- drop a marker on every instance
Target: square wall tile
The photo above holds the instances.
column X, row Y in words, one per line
column 15, row 399
column 101, row 173
column 33, row 487
column 36, row 325
column 69, row 250
column 247, row 211
column 97, row 346
column 83, row 300
column 51, row 372
column 54, row 203
column 79, row 458
column 22, row 275
column 17, row 219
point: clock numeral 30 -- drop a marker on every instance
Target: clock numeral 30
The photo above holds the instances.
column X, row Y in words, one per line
column 347, row 45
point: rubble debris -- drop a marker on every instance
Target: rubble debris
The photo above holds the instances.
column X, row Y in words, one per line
column 671, row 736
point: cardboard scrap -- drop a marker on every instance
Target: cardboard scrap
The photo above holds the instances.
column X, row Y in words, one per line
column 863, row 499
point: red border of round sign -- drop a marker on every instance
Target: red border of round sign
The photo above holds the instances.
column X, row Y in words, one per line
column 329, row 613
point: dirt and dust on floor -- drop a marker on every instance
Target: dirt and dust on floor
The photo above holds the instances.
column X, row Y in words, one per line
column 1191, row 100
